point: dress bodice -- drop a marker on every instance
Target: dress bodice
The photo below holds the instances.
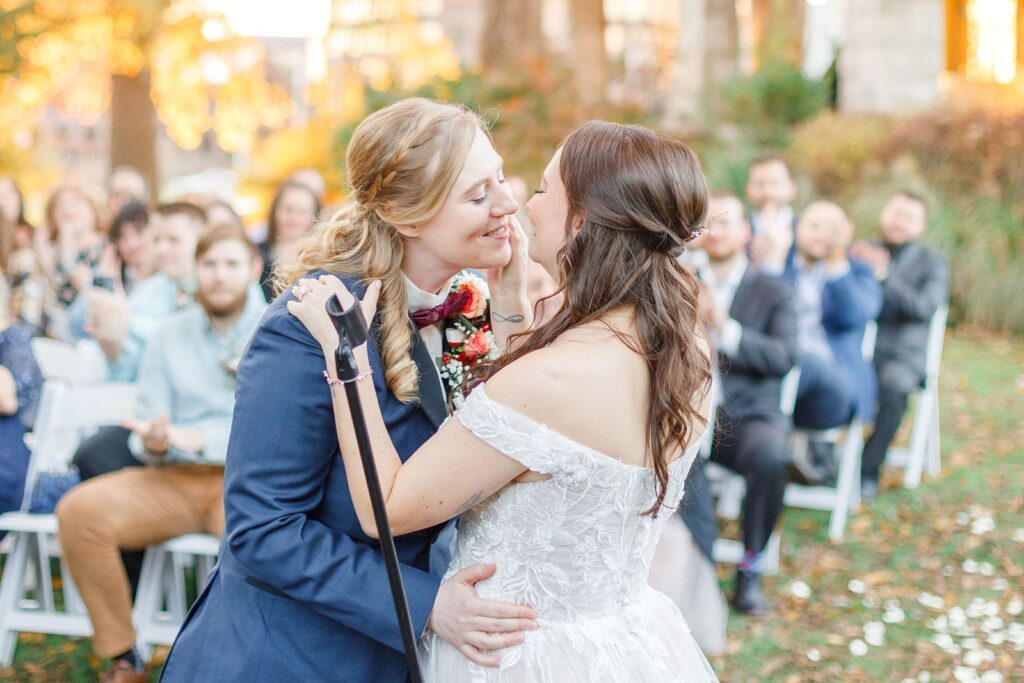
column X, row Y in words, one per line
column 576, row 545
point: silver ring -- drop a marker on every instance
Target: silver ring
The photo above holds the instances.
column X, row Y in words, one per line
column 300, row 291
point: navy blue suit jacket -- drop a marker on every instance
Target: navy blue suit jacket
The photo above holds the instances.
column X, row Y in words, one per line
column 299, row 592
column 848, row 303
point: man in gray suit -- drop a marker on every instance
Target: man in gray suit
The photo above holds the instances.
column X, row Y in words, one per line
column 915, row 283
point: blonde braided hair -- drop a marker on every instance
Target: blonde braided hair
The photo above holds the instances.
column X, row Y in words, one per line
column 401, row 164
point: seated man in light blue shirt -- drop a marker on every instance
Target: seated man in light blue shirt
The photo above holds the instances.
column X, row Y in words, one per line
column 186, row 385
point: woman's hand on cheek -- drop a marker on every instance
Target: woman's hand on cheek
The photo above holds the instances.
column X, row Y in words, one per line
column 510, row 282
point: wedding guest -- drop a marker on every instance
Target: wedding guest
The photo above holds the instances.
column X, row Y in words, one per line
column 133, row 245
column 126, row 261
column 219, row 211
column 20, row 386
column 12, row 214
column 19, row 261
column 915, row 283
column 186, row 394
column 752, row 319
column 836, row 296
column 770, row 192
column 122, row 334
column 311, row 178
column 292, row 213
column 126, row 184
column 76, row 245
column 122, row 325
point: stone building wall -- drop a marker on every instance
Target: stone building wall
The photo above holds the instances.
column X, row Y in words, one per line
column 892, row 56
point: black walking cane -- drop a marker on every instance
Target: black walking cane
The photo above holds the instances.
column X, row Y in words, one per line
column 351, row 326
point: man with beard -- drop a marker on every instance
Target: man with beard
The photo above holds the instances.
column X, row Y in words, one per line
column 187, row 384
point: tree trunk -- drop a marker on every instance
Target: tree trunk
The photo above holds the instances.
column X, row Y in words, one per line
column 707, row 55
column 588, row 57
column 778, row 28
column 512, row 38
column 722, row 48
column 133, row 126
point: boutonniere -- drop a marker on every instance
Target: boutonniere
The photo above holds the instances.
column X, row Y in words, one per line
column 468, row 336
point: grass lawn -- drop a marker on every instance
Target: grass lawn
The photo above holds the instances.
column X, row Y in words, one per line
column 931, row 545
column 941, row 568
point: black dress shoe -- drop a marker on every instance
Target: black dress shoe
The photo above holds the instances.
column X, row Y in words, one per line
column 748, row 597
column 868, row 489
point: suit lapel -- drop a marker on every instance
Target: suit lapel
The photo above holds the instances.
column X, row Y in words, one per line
column 741, row 301
column 431, row 397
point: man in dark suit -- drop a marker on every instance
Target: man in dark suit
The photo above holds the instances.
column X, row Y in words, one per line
column 915, row 283
column 753, row 323
column 836, row 297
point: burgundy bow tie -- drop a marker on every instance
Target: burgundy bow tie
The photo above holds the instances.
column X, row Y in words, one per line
column 428, row 316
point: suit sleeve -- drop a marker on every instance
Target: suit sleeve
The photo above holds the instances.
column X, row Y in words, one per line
column 851, row 300
column 282, row 444
column 919, row 303
column 772, row 351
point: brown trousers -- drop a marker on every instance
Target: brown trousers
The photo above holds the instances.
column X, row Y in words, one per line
column 129, row 510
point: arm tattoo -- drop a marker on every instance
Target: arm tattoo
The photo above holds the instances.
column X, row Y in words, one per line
column 515, row 318
column 473, row 500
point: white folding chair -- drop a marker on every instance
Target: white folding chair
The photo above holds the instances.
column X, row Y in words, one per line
column 79, row 363
column 161, row 602
column 731, row 487
column 923, row 454
column 66, row 413
column 844, row 497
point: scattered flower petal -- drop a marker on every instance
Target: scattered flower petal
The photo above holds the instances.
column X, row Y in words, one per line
column 965, row 674
column 858, row 648
column 800, row 590
column 982, row 525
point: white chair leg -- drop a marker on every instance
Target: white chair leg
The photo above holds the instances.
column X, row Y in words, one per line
column 10, row 594
column 730, row 500
column 847, row 495
column 147, row 598
column 933, row 450
column 916, row 452
column 45, row 575
column 771, row 553
column 176, row 599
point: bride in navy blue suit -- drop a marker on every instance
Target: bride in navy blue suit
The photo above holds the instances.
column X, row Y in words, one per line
column 300, row 590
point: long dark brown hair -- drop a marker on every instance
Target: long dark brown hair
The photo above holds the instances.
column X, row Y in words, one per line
column 635, row 197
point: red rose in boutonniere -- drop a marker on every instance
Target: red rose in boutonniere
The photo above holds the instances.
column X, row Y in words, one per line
column 467, row 334
column 476, row 301
column 477, row 345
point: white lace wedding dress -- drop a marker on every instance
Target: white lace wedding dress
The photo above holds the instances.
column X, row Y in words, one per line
column 578, row 548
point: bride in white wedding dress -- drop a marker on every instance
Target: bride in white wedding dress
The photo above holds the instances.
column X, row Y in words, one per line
column 565, row 463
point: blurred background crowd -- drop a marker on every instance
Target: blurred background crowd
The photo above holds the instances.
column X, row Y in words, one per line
column 157, row 159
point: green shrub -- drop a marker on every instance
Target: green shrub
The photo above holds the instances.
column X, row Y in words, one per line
column 766, row 104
